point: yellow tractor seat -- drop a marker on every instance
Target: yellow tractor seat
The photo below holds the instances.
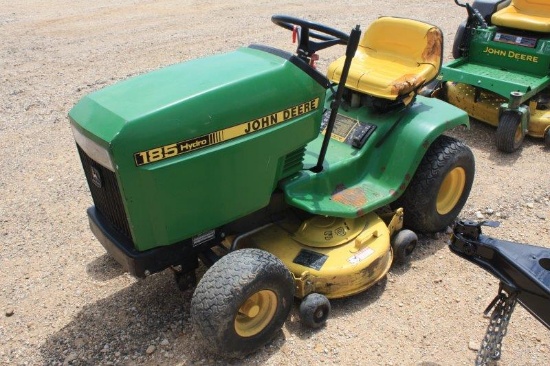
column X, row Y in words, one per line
column 395, row 57
column 532, row 15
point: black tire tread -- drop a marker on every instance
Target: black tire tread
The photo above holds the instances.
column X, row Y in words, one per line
column 418, row 200
column 310, row 304
column 400, row 242
column 506, row 132
column 459, row 35
column 222, row 288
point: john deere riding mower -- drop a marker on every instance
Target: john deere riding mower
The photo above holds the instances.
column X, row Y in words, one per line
column 501, row 70
column 284, row 182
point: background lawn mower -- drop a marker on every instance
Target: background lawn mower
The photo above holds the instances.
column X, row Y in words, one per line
column 501, row 70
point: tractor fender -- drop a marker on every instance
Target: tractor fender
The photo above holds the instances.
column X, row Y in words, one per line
column 354, row 181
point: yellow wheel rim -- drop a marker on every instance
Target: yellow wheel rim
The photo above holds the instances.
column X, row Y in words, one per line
column 519, row 134
column 255, row 313
column 451, row 190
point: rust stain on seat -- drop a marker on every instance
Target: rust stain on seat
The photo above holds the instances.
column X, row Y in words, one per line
column 405, row 84
column 433, row 50
column 431, row 55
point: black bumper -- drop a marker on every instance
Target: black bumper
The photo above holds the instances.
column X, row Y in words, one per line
column 139, row 264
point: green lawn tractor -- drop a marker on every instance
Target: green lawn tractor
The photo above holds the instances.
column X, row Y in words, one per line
column 284, row 182
column 501, row 70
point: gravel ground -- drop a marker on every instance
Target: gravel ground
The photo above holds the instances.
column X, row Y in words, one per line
column 63, row 301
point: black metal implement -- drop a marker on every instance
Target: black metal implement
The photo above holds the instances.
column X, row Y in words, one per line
column 522, row 269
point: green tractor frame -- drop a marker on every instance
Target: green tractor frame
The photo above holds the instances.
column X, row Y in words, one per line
column 284, row 182
column 501, row 71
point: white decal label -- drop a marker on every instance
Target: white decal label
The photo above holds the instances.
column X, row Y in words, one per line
column 361, row 255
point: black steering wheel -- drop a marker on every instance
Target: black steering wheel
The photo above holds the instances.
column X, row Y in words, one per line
column 306, row 48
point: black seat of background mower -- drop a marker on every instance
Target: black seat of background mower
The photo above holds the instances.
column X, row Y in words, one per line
column 395, row 57
column 531, row 15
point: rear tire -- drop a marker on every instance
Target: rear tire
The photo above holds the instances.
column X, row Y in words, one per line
column 440, row 187
column 242, row 301
column 510, row 133
column 547, row 138
column 459, row 39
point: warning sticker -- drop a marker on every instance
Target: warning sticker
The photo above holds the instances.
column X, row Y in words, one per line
column 361, row 255
column 343, row 126
column 348, row 130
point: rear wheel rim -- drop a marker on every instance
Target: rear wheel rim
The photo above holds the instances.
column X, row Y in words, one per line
column 256, row 313
column 451, row 190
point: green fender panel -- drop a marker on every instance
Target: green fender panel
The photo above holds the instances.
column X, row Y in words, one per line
column 356, row 181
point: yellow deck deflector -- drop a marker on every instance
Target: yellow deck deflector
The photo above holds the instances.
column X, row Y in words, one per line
column 533, row 15
column 395, row 57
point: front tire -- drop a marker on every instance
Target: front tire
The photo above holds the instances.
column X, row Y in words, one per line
column 510, row 133
column 440, row 187
column 242, row 301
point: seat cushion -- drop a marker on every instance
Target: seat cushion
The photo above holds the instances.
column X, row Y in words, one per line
column 532, row 15
column 394, row 57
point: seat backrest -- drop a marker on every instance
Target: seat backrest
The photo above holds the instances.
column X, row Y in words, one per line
column 406, row 39
column 395, row 57
column 540, row 8
column 533, row 15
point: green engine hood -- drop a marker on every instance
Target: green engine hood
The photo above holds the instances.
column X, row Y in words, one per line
column 199, row 93
column 175, row 133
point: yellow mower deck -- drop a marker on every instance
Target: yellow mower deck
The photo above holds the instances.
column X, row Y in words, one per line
column 486, row 109
column 335, row 257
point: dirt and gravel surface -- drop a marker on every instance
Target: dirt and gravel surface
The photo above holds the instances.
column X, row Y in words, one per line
column 63, row 301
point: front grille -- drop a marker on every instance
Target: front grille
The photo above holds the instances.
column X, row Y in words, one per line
column 105, row 193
